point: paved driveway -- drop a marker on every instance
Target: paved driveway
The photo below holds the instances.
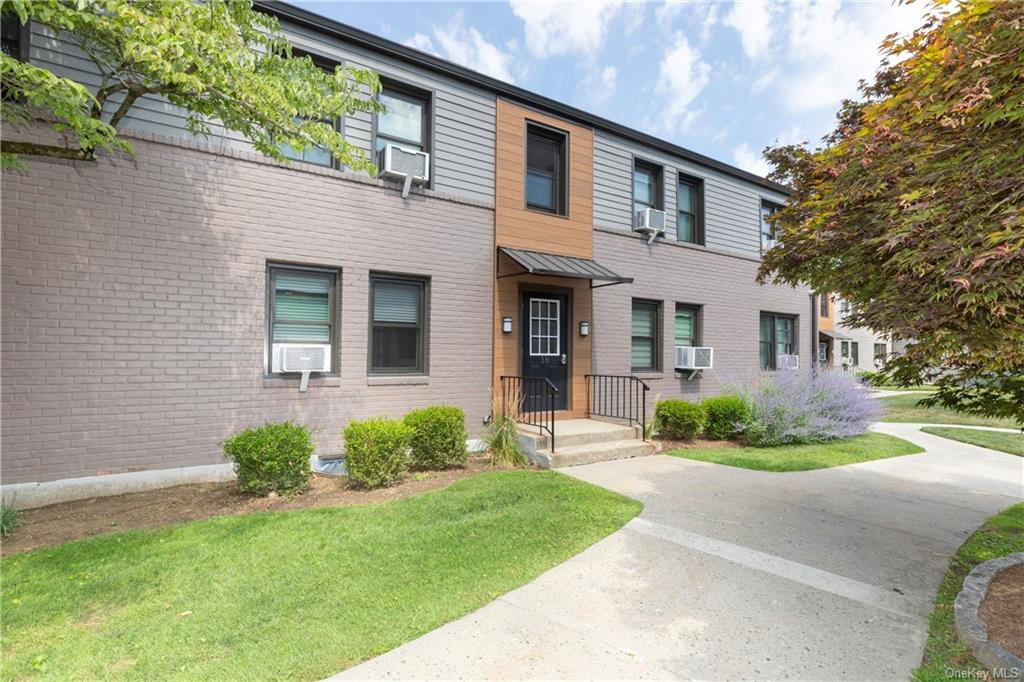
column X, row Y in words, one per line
column 737, row 574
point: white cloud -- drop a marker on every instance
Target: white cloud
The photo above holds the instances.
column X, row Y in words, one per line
column 599, row 85
column 465, row 45
column 753, row 21
column 681, row 77
column 704, row 13
column 749, row 160
column 831, row 47
column 558, row 28
column 766, row 79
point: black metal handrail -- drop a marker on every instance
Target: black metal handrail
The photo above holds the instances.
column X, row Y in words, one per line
column 618, row 396
column 530, row 401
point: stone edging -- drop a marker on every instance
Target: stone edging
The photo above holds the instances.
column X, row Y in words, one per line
column 972, row 631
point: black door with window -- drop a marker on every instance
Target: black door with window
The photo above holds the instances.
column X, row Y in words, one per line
column 545, row 348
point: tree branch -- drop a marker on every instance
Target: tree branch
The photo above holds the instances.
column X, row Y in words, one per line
column 126, row 104
column 34, row 149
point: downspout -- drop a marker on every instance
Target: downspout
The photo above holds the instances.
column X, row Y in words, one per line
column 814, row 334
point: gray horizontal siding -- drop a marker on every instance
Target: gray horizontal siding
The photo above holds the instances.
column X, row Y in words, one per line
column 731, row 206
column 463, row 125
column 464, row 117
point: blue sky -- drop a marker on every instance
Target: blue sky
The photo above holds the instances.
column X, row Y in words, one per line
column 724, row 79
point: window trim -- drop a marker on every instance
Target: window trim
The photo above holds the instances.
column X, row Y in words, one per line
column 24, row 37
column 697, row 311
column 333, row 317
column 773, row 361
column 765, row 203
column 423, row 346
column 426, row 125
column 658, row 171
column 698, row 207
column 655, row 337
column 338, row 123
column 562, row 178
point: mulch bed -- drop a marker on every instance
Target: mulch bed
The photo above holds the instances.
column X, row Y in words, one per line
column 57, row 523
column 1001, row 611
column 662, row 445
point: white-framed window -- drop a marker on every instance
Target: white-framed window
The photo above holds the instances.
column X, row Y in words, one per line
column 545, row 319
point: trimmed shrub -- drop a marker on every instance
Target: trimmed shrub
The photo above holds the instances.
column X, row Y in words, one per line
column 871, row 378
column 438, row 437
column 679, row 420
column 789, row 408
column 376, row 451
column 271, row 458
column 726, row 416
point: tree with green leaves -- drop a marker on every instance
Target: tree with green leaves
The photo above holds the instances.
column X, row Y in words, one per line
column 222, row 62
column 912, row 208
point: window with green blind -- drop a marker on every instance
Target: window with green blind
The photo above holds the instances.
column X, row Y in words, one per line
column 686, row 325
column 397, row 325
column 644, row 355
column 301, row 306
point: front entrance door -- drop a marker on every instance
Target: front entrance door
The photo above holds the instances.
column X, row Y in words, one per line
column 545, row 346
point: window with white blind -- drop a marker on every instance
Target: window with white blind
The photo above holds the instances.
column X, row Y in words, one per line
column 301, row 306
column 397, row 325
column 644, row 354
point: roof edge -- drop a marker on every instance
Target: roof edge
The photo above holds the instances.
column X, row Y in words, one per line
column 297, row 15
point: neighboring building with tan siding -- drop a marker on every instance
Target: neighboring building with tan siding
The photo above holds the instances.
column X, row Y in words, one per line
column 147, row 304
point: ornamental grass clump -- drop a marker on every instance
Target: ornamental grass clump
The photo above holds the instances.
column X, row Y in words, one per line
column 791, row 408
column 502, row 436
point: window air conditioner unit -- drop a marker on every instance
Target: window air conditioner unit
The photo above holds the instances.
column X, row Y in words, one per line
column 301, row 357
column 399, row 163
column 694, row 357
column 847, row 361
column 649, row 221
column 789, row 362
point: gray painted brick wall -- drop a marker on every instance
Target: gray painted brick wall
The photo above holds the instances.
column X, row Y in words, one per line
column 133, row 297
column 722, row 284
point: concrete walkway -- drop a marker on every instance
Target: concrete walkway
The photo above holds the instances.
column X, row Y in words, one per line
column 737, row 574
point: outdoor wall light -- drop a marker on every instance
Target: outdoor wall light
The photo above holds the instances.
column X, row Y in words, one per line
column 506, row 325
column 584, row 328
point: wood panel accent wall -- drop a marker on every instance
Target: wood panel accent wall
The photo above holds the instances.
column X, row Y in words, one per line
column 517, row 226
column 830, row 321
column 507, row 293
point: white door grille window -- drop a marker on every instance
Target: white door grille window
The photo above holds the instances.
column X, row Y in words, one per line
column 544, row 323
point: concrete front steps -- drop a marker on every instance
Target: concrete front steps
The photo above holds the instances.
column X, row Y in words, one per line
column 583, row 441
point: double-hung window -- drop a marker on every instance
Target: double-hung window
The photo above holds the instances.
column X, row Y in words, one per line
column 406, row 119
column 686, row 326
column 881, row 354
column 301, row 306
column 644, row 354
column 823, row 305
column 778, row 337
column 767, row 231
column 545, row 169
column 316, row 155
column 646, row 187
column 398, row 334
column 690, row 210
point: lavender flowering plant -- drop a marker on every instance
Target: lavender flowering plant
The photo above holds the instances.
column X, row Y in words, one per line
column 791, row 408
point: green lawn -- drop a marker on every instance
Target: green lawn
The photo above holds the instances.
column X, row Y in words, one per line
column 1012, row 443
column 296, row 595
column 804, row 457
column 904, row 408
column 945, row 657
